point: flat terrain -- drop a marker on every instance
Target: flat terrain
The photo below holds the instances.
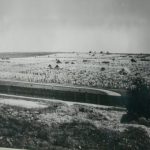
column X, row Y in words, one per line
column 109, row 71
column 41, row 124
column 9, row 55
column 68, row 126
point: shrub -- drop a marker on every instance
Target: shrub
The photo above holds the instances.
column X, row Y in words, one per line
column 139, row 99
column 58, row 61
column 56, row 67
column 105, row 62
column 133, row 60
column 50, row 66
column 143, row 59
column 103, row 69
column 85, row 60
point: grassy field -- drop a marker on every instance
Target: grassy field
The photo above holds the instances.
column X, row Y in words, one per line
column 110, row 71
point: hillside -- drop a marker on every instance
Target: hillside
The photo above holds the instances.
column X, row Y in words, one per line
column 68, row 126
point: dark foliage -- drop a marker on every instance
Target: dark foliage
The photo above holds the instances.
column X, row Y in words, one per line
column 103, row 69
column 58, row 61
column 139, row 99
column 133, row 60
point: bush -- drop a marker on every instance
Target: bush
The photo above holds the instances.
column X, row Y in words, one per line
column 133, row 60
column 58, row 61
column 139, row 99
column 103, row 69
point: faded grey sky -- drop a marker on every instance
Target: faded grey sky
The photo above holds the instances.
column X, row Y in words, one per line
column 70, row 25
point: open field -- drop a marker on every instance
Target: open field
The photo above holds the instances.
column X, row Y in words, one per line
column 68, row 126
column 110, row 71
column 44, row 124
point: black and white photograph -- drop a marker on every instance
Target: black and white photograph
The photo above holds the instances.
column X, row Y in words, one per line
column 74, row 74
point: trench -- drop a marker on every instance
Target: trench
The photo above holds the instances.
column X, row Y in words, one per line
column 61, row 93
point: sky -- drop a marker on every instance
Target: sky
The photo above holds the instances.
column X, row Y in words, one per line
column 75, row 25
